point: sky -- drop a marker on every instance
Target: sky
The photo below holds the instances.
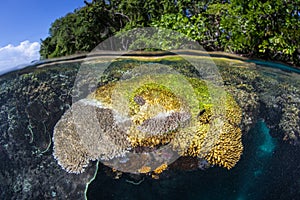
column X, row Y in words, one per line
column 23, row 23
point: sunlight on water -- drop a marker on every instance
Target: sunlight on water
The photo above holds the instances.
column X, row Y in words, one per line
column 261, row 153
column 268, row 144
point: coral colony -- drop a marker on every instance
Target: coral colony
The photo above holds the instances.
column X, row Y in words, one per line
column 142, row 115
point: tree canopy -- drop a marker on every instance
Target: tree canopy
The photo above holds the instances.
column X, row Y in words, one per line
column 268, row 29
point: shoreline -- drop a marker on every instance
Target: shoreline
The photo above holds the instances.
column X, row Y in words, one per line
column 149, row 55
column 171, row 52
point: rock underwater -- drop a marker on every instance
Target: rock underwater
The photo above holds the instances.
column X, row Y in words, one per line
column 39, row 120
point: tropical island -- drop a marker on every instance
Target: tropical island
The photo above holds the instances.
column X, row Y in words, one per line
column 268, row 30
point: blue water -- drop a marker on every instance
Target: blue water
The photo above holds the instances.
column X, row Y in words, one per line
column 258, row 155
column 275, row 65
column 268, row 144
column 265, row 171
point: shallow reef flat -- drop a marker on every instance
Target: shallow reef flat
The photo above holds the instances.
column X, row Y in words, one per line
column 180, row 104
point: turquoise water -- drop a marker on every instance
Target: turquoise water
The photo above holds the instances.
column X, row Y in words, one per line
column 260, row 152
column 268, row 144
column 275, row 65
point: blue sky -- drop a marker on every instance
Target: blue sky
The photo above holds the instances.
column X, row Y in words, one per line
column 22, row 20
column 23, row 23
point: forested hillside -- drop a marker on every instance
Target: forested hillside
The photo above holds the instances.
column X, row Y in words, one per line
column 268, row 29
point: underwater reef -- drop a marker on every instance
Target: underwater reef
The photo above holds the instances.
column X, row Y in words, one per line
column 52, row 145
column 99, row 128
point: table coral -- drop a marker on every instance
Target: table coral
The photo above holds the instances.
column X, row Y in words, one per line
column 88, row 131
column 71, row 155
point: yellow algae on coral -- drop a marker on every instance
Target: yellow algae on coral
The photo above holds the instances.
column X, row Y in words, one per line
column 139, row 139
column 103, row 94
column 144, row 170
column 155, row 94
column 233, row 111
column 216, row 135
column 160, row 168
column 228, row 150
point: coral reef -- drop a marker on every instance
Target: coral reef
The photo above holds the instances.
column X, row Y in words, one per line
column 86, row 132
column 70, row 153
column 155, row 116
column 160, row 168
column 156, row 171
column 260, row 92
column 228, row 148
column 144, row 170
column 37, row 99
column 32, row 102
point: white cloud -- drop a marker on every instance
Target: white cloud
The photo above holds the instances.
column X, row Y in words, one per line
column 15, row 57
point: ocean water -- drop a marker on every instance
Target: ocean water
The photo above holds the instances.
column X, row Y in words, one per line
column 268, row 169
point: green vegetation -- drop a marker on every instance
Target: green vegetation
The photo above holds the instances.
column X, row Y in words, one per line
column 268, row 29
